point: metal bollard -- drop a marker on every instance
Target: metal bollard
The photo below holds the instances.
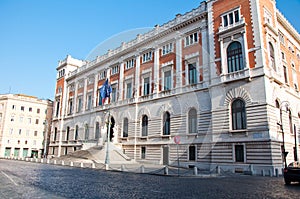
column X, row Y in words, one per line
column 142, row 169
column 93, row 165
column 195, row 171
column 71, row 164
column 218, row 169
column 166, row 170
column 122, row 167
column 81, row 164
column 62, row 163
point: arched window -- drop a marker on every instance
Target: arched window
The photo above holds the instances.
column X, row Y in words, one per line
column 238, row 114
column 192, row 121
column 272, row 56
column 145, row 125
column 86, row 131
column 76, row 132
column 125, row 127
column 166, row 123
column 235, row 57
column 97, row 131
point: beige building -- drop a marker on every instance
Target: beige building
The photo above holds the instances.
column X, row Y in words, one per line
column 224, row 78
column 24, row 123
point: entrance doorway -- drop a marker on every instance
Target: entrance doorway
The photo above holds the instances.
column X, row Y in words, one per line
column 165, row 155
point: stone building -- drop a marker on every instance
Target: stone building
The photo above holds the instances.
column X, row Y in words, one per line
column 223, row 78
column 25, row 121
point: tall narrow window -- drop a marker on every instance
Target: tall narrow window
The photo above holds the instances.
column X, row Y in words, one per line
column 235, row 57
column 86, row 132
column 238, row 115
column 89, row 102
column 97, row 131
column 57, row 108
column 55, row 134
column 239, row 153
column 167, row 80
column 147, row 86
column 192, row 153
column 192, row 73
column 70, row 106
column 145, row 125
column 68, row 133
column 114, row 94
column 128, row 90
column 79, row 104
column 192, row 121
column 291, row 122
column 272, row 56
column 76, row 132
column 285, row 74
column 166, row 123
column 125, row 127
column 143, row 152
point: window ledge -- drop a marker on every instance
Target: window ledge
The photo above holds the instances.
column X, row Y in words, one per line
column 240, row 131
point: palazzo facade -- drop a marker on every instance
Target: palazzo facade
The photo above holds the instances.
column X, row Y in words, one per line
column 223, row 78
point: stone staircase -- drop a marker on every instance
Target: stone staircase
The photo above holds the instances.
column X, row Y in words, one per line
column 98, row 154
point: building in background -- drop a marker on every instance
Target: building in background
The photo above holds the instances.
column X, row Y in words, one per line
column 223, row 78
column 24, row 123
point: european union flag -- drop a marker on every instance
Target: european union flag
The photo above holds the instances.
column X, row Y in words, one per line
column 105, row 91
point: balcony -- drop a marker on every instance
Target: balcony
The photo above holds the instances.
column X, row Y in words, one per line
column 234, row 76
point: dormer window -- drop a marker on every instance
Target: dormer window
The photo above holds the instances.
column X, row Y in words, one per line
column 231, row 18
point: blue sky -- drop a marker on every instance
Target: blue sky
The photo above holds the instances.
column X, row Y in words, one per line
column 35, row 34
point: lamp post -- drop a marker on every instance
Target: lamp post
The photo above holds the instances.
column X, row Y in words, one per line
column 108, row 140
column 284, row 153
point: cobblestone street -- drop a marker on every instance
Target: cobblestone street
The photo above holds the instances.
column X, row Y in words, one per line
column 34, row 180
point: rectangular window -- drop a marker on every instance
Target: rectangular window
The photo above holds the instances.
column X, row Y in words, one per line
column 239, row 153
column 192, row 153
column 167, row 80
column 89, row 102
column 13, row 107
column 70, row 106
column 128, row 91
column 35, row 133
column 102, row 75
column 143, row 152
column 147, row 57
column 147, row 86
column 30, row 109
column 129, row 64
column 79, row 107
column 115, row 69
column 167, row 49
column 231, row 18
column 191, row 39
column 37, row 121
column 114, row 94
column 22, row 108
column 20, row 131
column 192, row 73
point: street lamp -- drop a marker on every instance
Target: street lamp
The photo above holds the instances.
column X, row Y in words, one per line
column 286, row 104
column 107, row 142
